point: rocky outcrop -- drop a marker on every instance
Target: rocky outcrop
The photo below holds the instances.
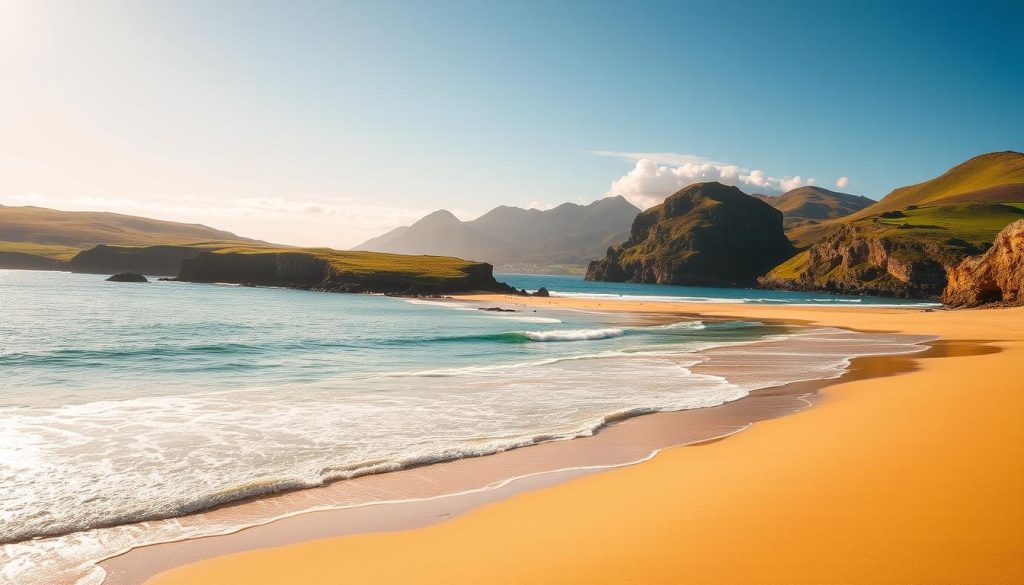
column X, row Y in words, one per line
column 154, row 260
column 310, row 271
column 852, row 260
column 997, row 276
column 706, row 234
column 128, row 277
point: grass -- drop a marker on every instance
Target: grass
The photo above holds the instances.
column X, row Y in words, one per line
column 85, row 229
column 49, row 251
column 974, row 223
column 975, row 176
column 356, row 262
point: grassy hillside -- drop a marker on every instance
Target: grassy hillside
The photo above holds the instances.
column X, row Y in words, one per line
column 54, row 235
column 815, row 204
column 992, row 178
column 84, row 229
column 996, row 177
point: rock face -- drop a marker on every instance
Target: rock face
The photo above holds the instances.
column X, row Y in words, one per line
column 309, row 271
column 706, row 234
column 997, row 276
column 155, row 260
column 128, row 277
column 851, row 260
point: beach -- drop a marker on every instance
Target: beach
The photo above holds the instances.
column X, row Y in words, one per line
column 910, row 477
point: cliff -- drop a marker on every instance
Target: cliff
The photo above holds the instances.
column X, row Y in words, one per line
column 151, row 260
column 705, row 234
column 907, row 243
column 331, row 270
column 997, row 276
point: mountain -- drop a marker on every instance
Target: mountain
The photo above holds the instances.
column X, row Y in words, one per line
column 705, row 234
column 36, row 237
column 906, row 244
column 512, row 238
column 812, row 204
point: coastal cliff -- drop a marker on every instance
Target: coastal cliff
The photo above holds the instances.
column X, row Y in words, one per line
column 706, row 234
column 336, row 271
column 853, row 260
column 152, row 260
column 907, row 243
column 997, row 276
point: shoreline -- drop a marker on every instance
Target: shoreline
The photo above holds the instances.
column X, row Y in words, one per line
column 966, row 334
column 411, row 502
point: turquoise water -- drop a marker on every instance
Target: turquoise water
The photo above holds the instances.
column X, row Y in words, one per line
column 126, row 402
column 574, row 286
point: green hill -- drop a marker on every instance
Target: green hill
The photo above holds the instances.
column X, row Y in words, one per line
column 36, row 237
column 812, row 204
column 905, row 244
column 705, row 234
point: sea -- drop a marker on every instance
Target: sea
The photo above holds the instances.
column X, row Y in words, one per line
column 123, row 403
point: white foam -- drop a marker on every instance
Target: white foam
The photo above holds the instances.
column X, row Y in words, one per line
column 573, row 334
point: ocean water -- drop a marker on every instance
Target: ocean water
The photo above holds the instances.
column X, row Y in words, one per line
column 574, row 286
column 122, row 403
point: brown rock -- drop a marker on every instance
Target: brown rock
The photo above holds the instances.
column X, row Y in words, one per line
column 997, row 276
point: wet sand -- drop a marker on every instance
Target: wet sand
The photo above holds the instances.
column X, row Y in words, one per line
column 911, row 477
column 425, row 495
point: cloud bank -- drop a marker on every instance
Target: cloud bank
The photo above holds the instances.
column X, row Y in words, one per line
column 843, row 182
column 657, row 175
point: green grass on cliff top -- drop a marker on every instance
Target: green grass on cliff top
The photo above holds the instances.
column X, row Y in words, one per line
column 354, row 262
column 52, row 252
column 976, row 223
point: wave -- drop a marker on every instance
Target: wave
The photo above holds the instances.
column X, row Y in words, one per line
column 573, row 334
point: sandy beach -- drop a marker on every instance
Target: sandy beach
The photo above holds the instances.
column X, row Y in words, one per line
column 914, row 477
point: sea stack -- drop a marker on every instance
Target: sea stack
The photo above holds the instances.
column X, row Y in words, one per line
column 706, row 234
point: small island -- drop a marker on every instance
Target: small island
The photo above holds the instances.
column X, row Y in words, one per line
column 128, row 277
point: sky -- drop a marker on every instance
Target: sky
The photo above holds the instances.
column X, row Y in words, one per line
column 327, row 123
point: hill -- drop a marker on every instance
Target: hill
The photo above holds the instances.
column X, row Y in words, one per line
column 814, row 204
column 705, row 234
column 36, row 237
column 905, row 244
column 516, row 239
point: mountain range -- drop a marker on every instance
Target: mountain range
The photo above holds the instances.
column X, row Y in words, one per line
column 559, row 240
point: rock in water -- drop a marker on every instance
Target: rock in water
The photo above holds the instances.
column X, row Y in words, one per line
column 995, row 276
column 542, row 292
column 128, row 277
column 706, row 234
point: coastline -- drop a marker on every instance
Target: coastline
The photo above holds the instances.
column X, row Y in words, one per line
column 566, row 511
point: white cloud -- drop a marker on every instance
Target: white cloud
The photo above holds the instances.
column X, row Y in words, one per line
column 658, row 175
column 843, row 182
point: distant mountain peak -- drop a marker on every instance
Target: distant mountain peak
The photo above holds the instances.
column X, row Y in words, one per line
column 570, row 234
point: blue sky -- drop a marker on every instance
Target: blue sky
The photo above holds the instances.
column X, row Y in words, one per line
column 328, row 122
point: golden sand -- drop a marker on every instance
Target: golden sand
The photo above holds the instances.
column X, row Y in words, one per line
column 913, row 478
